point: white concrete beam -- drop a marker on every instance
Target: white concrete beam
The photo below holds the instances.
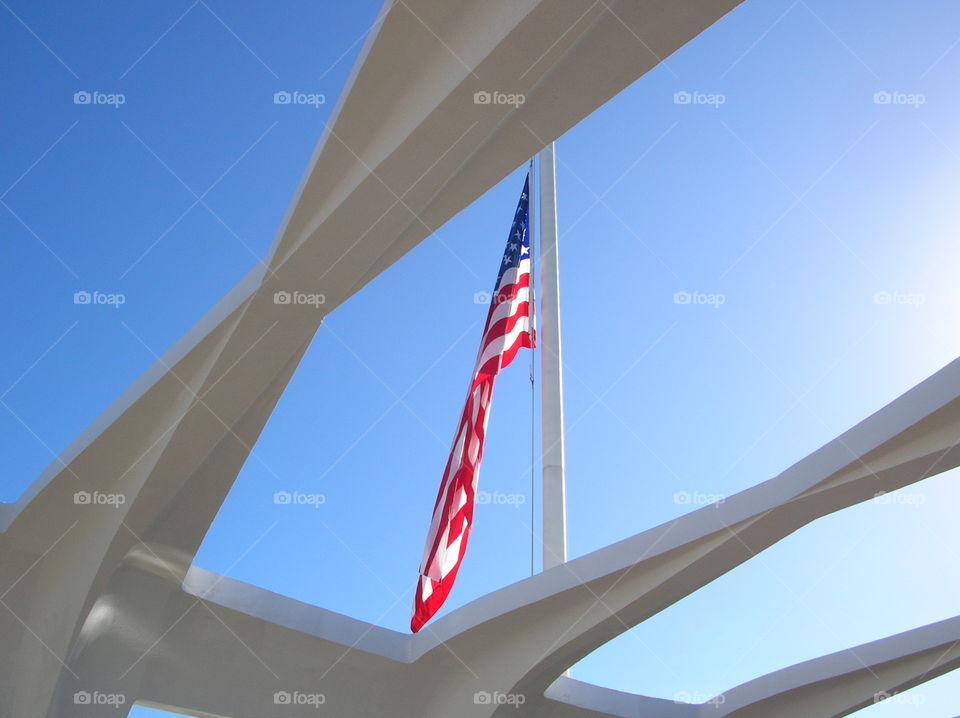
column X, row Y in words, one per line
column 545, row 623
column 846, row 681
column 550, row 621
column 831, row 686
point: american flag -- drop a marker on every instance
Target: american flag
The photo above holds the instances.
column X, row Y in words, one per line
column 509, row 327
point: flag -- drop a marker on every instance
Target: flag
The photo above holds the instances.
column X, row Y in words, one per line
column 509, row 327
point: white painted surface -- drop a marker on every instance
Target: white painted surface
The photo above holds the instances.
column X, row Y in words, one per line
column 551, row 369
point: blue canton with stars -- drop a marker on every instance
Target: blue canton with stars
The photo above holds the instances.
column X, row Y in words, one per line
column 518, row 244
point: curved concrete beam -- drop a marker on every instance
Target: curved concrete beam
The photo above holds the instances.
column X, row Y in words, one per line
column 831, row 686
column 545, row 623
column 191, row 662
column 406, row 149
column 550, row 621
column 569, row 698
column 846, row 681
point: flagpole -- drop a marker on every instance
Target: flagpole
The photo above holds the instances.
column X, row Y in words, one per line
column 554, row 518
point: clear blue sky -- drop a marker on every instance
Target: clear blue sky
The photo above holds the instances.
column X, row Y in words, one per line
column 798, row 200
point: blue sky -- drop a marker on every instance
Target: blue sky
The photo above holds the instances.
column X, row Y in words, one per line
column 821, row 216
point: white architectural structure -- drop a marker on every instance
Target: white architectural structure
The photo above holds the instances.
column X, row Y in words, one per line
column 104, row 601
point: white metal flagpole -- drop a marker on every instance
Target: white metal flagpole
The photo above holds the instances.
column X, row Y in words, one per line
column 554, row 518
